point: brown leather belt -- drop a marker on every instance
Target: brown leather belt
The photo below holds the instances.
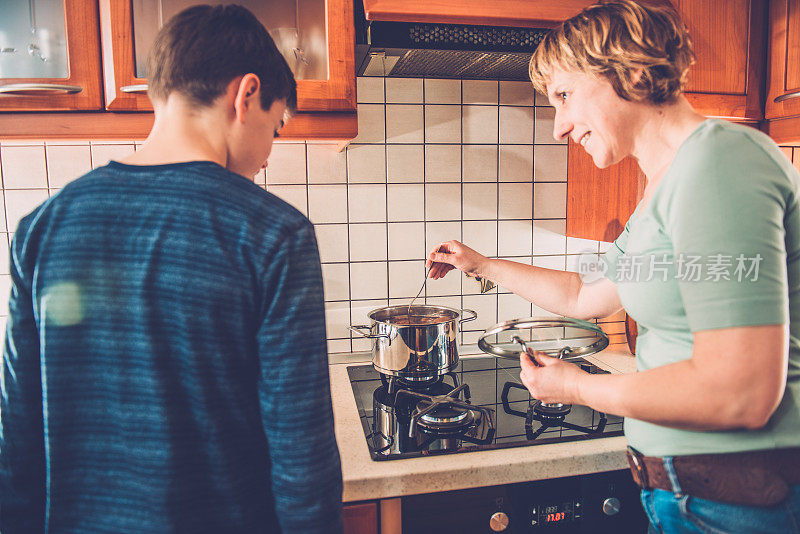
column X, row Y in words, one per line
column 754, row 478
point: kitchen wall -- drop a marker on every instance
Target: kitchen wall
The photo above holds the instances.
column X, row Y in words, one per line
column 434, row 160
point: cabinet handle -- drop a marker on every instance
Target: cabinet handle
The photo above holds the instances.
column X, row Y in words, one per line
column 787, row 96
column 139, row 88
column 45, row 88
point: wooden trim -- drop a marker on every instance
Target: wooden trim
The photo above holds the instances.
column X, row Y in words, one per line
column 106, row 125
column 600, row 201
column 360, row 518
column 515, row 13
column 735, row 107
column 784, row 131
column 119, row 61
column 83, row 56
column 337, row 93
column 779, row 43
column 391, row 516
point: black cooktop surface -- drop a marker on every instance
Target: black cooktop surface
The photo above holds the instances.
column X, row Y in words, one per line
column 500, row 412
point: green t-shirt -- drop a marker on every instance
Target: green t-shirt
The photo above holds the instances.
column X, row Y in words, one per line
column 717, row 246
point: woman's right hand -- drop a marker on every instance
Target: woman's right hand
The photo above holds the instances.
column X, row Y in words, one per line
column 454, row 254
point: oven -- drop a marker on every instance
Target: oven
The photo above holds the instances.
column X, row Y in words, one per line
column 599, row 503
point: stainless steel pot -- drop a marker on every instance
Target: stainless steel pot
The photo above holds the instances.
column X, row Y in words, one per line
column 422, row 350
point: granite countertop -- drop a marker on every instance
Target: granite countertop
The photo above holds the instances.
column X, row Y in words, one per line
column 366, row 479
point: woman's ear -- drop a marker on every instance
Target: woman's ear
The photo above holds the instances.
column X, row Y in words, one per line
column 247, row 95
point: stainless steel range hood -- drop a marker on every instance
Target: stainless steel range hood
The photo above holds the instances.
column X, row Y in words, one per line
column 434, row 50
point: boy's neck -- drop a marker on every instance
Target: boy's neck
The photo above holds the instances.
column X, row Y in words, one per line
column 182, row 131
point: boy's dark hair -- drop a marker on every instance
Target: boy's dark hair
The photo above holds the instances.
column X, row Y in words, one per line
column 201, row 49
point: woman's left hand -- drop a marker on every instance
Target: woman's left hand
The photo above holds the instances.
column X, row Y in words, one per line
column 556, row 381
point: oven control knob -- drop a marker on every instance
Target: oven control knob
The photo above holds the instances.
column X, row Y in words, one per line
column 498, row 522
column 611, row 506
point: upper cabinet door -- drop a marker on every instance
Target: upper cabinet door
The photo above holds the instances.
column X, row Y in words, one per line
column 315, row 36
column 783, row 82
column 519, row 13
column 49, row 55
column 728, row 40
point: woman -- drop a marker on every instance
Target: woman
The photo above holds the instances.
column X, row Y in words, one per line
column 708, row 265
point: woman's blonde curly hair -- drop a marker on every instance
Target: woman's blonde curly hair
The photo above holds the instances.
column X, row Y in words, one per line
column 614, row 40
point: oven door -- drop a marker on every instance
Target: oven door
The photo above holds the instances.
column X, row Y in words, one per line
column 597, row 503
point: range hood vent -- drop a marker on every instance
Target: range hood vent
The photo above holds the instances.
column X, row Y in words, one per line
column 433, row 50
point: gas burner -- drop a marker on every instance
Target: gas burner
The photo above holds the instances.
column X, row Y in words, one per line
column 445, row 415
column 549, row 415
column 551, row 411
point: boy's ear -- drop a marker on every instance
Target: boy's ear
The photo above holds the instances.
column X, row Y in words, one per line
column 247, row 91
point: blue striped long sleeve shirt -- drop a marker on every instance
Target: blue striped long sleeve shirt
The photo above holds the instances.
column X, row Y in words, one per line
column 165, row 365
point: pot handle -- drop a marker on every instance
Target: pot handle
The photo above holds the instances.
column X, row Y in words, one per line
column 468, row 319
column 357, row 328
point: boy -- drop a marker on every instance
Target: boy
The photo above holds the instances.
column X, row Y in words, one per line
column 165, row 365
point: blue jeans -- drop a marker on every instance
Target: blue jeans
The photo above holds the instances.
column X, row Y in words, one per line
column 670, row 512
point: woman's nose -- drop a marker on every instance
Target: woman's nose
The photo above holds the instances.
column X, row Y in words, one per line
column 561, row 126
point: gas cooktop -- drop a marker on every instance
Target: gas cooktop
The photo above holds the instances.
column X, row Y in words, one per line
column 481, row 405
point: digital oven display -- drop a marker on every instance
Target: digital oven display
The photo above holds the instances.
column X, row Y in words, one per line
column 556, row 513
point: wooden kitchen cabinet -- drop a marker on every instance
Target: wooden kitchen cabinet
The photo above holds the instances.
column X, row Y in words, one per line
column 360, row 518
column 728, row 39
column 729, row 43
column 326, row 107
column 50, row 59
column 782, row 106
column 125, row 91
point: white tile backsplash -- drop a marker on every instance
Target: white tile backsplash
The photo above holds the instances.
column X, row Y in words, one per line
column 368, row 242
column 405, row 163
column 405, row 278
column 406, row 202
column 443, row 163
column 407, row 240
column 479, row 163
column 369, row 89
column 287, row 164
column 404, row 123
column 371, row 123
column 366, row 164
column 550, row 163
column 103, row 153
column 481, row 236
column 443, row 202
column 550, row 200
column 515, row 163
column 23, row 167
column 442, row 91
column 326, row 165
column 336, row 281
column 543, row 127
column 516, row 94
column 332, row 242
column 404, row 90
column 380, row 205
column 66, row 163
column 366, row 202
column 327, row 203
column 480, row 201
column 516, row 125
column 515, row 238
column 369, row 280
column 516, row 201
column 20, row 202
column 479, row 91
column 479, row 124
column 442, row 124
